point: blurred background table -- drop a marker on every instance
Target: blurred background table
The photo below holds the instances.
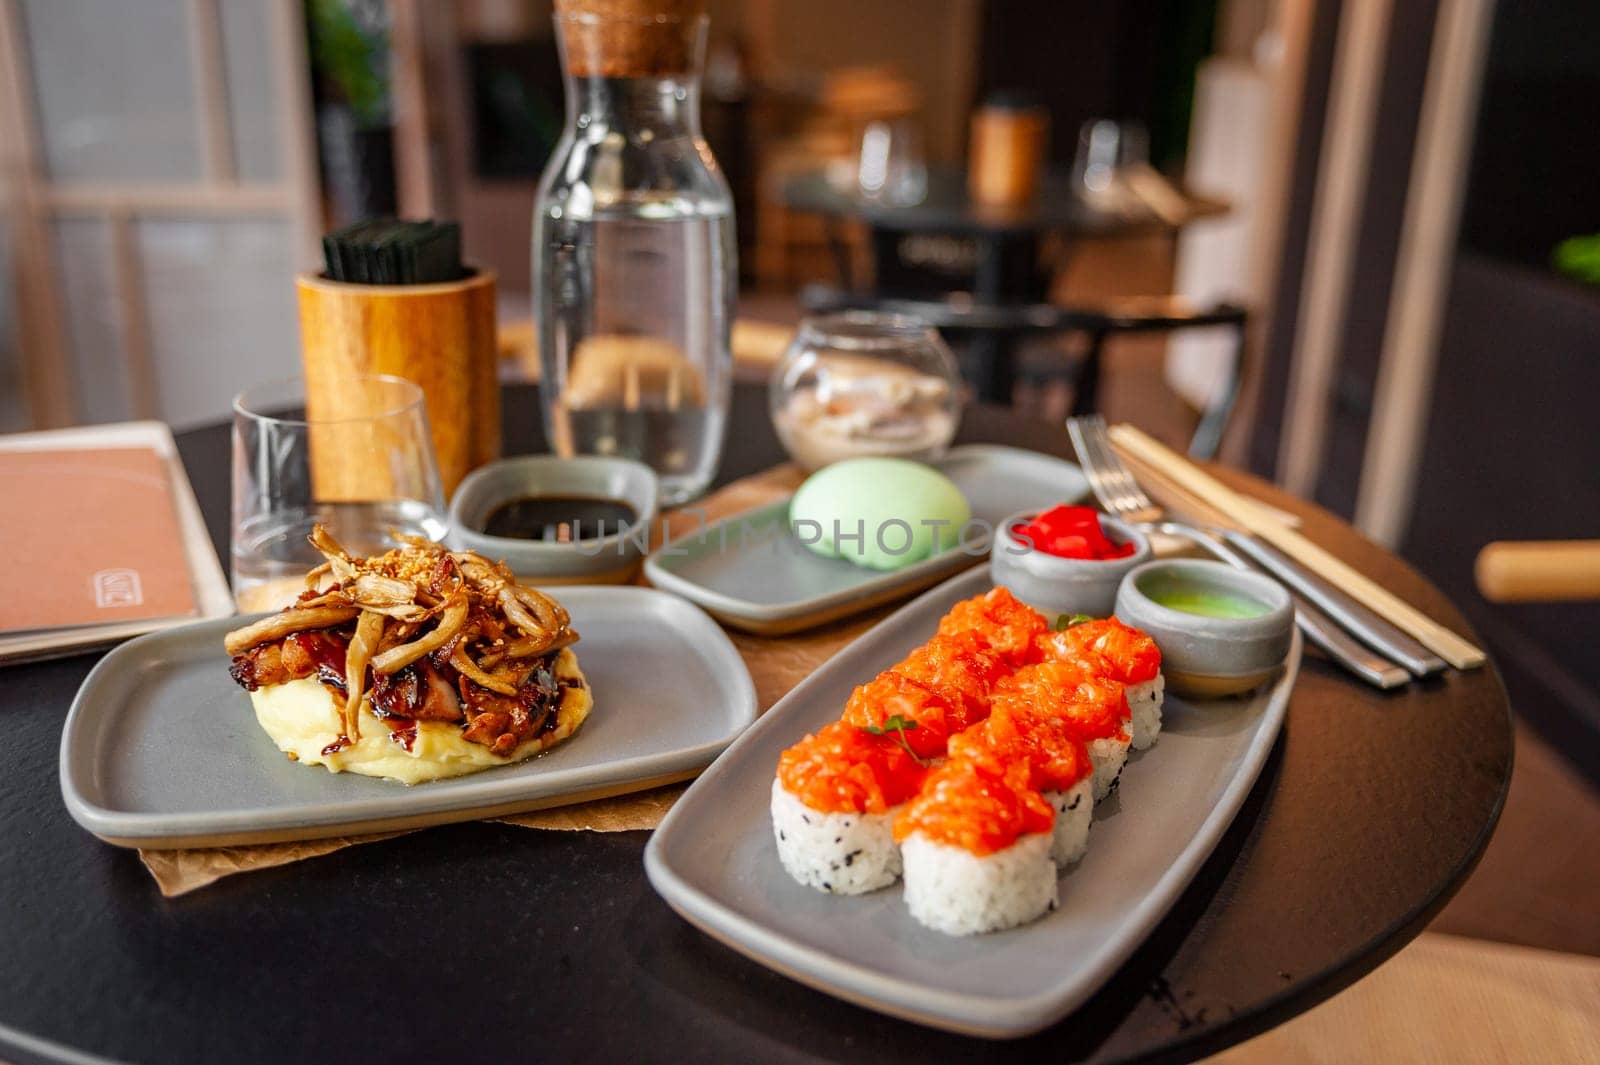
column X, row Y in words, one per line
column 978, row 270
column 479, row 942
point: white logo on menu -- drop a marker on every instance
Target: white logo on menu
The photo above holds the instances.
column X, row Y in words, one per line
column 117, row 587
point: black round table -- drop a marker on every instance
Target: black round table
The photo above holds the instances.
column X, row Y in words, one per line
column 488, row 943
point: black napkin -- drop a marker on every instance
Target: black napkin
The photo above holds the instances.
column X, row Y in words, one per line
column 391, row 251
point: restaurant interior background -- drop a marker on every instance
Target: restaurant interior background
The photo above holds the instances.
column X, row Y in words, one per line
column 1410, row 226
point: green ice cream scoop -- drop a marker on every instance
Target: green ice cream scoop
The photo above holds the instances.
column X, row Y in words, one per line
column 879, row 513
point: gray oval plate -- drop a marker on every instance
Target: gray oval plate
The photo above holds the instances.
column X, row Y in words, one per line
column 751, row 573
column 714, row 861
column 161, row 748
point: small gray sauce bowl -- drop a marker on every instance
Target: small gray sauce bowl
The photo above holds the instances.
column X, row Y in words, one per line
column 612, row 559
column 1209, row 656
column 1053, row 585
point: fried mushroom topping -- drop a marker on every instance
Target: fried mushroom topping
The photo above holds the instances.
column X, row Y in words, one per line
column 455, row 609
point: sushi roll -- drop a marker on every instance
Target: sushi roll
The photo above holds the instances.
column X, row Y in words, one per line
column 833, row 806
column 1092, row 708
column 976, row 846
column 1009, row 626
column 1074, row 808
column 1058, row 763
column 1122, row 653
column 961, row 669
column 894, row 704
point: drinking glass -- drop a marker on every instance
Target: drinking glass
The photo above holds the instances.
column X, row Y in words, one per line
column 364, row 467
column 1108, row 151
column 891, row 168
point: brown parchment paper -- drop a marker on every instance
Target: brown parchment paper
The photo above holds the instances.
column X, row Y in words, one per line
column 776, row 664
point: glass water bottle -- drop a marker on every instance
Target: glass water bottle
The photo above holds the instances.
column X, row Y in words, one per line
column 634, row 270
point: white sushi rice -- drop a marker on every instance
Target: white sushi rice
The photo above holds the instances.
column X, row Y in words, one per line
column 842, row 853
column 1145, row 702
column 959, row 893
column 1107, row 755
column 1074, row 810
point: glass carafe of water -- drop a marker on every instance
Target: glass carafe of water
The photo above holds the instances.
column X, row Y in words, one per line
column 634, row 264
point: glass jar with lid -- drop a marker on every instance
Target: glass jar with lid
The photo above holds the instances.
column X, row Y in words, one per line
column 859, row 384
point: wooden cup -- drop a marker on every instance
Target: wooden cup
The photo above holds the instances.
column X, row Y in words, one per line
column 1006, row 155
column 441, row 336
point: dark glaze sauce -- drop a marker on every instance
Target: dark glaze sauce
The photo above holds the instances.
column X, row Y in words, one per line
column 559, row 519
column 327, row 649
column 406, row 736
column 402, row 730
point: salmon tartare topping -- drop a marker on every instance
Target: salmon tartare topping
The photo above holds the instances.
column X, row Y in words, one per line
column 1010, row 627
column 960, row 669
column 1112, row 648
column 843, row 769
column 1050, row 745
column 965, row 804
column 1096, row 708
column 892, row 695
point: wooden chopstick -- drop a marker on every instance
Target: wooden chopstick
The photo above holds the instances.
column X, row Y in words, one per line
column 1173, row 496
column 1283, row 516
column 1254, row 519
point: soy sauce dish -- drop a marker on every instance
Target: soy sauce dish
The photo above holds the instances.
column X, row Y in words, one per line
column 558, row 520
column 1221, row 631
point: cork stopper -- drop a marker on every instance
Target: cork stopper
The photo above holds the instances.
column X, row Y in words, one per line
column 630, row 38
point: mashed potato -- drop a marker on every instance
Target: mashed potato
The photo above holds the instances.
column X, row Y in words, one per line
column 302, row 719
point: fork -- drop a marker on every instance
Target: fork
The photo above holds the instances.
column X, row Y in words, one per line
column 1119, row 493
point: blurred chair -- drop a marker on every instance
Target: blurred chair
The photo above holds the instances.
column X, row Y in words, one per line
column 1539, row 571
column 793, row 247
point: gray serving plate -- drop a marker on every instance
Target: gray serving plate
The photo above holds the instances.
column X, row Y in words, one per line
column 161, row 748
column 714, row 861
column 750, row 573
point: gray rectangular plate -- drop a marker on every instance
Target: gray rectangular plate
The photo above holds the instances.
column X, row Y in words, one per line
column 162, row 749
column 766, row 581
column 714, row 861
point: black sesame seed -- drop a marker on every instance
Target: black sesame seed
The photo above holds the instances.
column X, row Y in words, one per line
column 781, row 836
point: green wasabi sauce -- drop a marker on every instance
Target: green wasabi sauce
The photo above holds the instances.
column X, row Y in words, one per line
column 1206, row 603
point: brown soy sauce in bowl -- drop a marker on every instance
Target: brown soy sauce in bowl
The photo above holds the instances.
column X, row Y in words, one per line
column 559, row 519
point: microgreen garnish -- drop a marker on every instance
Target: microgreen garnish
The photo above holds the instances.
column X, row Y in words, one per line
column 1066, row 621
column 899, row 726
